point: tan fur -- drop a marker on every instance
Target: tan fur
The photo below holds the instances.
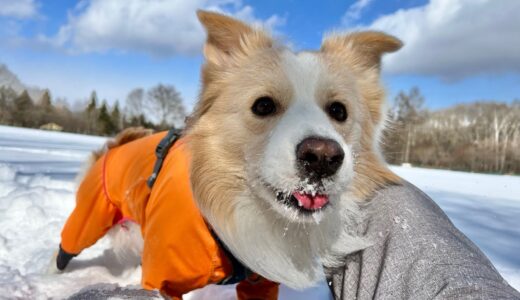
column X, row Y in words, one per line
column 243, row 64
column 364, row 49
column 358, row 52
column 125, row 136
column 361, row 53
column 229, row 39
column 229, row 42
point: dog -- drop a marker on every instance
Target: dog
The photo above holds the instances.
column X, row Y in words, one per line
column 278, row 152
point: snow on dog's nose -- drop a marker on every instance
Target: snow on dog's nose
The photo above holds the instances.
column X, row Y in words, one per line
column 319, row 157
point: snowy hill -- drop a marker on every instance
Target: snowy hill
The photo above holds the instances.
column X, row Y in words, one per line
column 9, row 79
column 37, row 171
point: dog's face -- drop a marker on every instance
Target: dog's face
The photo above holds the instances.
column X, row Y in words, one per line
column 290, row 128
column 281, row 138
column 296, row 126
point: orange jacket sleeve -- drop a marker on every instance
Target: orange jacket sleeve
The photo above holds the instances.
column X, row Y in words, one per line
column 93, row 215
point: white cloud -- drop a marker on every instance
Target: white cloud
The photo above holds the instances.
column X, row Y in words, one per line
column 159, row 27
column 455, row 38
column 354, row 12
column 20, row 9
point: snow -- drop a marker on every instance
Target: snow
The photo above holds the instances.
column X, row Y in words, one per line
column 485, row 207
column 37, row 182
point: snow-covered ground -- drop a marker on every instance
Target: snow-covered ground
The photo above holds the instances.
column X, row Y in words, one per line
column 37, row 173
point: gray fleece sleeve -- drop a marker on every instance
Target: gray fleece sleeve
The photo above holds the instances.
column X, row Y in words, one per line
column 417, row 253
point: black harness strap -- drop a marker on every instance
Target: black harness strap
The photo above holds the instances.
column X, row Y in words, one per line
column 161, row 151
column 240, row 272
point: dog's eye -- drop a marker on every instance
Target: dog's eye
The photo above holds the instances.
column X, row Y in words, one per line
column 264, row 106
column 337, row 111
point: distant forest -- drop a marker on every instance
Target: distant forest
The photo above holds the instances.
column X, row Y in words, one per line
column 477, row 137
column 95, row 117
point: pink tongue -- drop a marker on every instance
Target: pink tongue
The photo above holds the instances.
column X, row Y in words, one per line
column 311, row 202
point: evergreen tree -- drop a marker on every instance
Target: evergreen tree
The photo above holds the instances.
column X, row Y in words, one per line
column 92, row 113
column 45, row 101
column 4, row 111
column 92, row 103
column 23, row 110
column 45, row 109
column 7, row 96
column 105, row 124
column 116, row 117
column 140, row 120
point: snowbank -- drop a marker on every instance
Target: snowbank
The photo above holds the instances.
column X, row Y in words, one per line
column 37, row 171
column 37, row 184
column 485, row 207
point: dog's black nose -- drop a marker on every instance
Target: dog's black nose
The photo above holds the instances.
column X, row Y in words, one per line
column 319, row 156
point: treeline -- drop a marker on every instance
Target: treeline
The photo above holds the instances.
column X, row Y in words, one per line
column 477, row 137
column 93, row 116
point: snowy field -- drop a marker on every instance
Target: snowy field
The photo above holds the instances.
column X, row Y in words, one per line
column 37, row 173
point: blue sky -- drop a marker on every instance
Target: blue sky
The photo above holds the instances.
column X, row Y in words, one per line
column 455, row 50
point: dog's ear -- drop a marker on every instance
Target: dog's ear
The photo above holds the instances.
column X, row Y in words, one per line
column 365, row 47
column 229, row 39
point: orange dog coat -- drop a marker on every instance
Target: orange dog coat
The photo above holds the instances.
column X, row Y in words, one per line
column 180, row 253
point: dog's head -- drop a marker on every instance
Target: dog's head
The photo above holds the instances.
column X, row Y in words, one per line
column 290, row 129
column 282, row 135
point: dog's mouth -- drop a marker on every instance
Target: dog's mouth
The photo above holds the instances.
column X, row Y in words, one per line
column 303, row 201
column 307, row 198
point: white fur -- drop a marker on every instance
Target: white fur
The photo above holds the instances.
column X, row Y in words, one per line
column 378, row 133
column 304, row 118
column 271, row 238
column 286, row 251
column 127, row 243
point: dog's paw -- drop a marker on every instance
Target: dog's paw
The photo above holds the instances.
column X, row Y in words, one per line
column 59, row 261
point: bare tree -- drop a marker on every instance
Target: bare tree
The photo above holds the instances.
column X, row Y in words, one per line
column 506, row 121
column 481, row 137
column 135, row 102
column 165, row 102
column 409, row 113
